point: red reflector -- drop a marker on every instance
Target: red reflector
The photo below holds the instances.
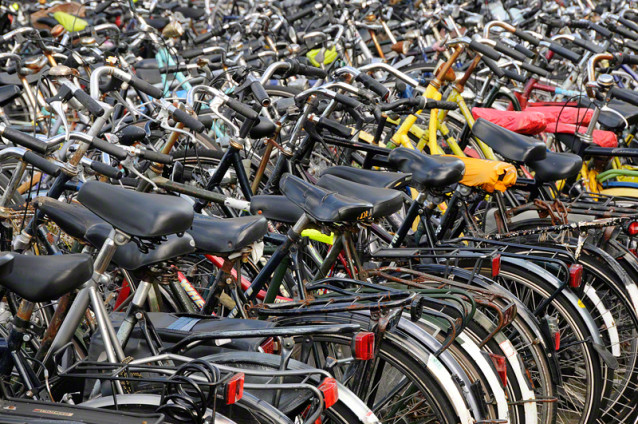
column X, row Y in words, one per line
column 268, row 346
column 330, row 391
column 234, row 388
column 500, row 363
column 632, row 229
column 496, row 266
column 557, row 341
column 575, row 275
column 364, row 346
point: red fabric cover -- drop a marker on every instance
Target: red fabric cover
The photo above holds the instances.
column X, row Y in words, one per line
column 524, row 122
column 530, row 123
column 602, row 138
column 566, row 115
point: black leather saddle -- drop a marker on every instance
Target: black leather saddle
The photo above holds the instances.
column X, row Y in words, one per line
column 368, row 177
column 428, row 172
column 45, row 278
column 216, row 235
column 609, row 120
column 137, row 214
column 627, row 110
column 556, row 166
column 384, row 201
column 323, row 205
column 8, row 93
column 275, row 208
column 510, row 145
column 81, row 223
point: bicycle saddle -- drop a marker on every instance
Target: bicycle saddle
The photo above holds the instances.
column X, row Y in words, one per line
column 556, row 166
column 137, row 214
column 46, row 278
column 384, row 201
column 8, row 93
column 217, row 235
column 81, row 223
column 427, row 171
column 368, row 177
column 275, row 208
column 508, row 144
column 323, row 205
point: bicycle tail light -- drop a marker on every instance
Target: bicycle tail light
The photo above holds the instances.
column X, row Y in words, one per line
column 363, row 346
column 330, row 391
column 500, row 363
column 496, row 266
column 234, row 389
column 575, row 275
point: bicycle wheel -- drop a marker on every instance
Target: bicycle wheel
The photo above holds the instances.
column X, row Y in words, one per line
column 400, row 391
column 580, row 394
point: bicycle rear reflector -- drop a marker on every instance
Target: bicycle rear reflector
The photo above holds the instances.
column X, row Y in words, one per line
column 268, row 346
column 575, row 275
column 496, row 266
column 632, row 228
column 364, row 346
column 500, row 363
column 330, row 391
column 234, row 388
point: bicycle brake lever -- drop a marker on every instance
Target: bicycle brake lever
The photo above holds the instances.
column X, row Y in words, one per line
column 164, row 125
column 59, row 110
column 214, row 107
column 130, row 166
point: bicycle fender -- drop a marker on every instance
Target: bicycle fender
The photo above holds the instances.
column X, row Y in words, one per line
column 596, row 340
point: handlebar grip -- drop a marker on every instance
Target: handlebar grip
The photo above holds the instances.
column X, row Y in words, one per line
column 625, row 33
column 632, row 45
column 486, row 51
column 189, row 54
column 311, row 71
column 204, row 37
column 493, row 67
column 369, row 82
column 41, row 163
column 242, row 109
column 188, row 120
column 579, row 24
column 588, row 45
column 441, row 104
column 524, row 50
column 107, row 170
column 89, row 103
column 156, row 157
column 301, row 14
column 207, row 120
column 535, row 69
column 515, row 76
column 625, row 95
column 629, row 24
column 600, row 30
column 527, row 37
column 628, row 59
column 111, row 149
column 347, row 101
column 64, row 95
column 146, row 88
column 102, row 6
column 554, row 23
column 25, row 140
column 566, row 53
column 335, row 127
column 260, row 93
column 516, row 55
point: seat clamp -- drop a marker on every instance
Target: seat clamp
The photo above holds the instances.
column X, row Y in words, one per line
column 121, row 238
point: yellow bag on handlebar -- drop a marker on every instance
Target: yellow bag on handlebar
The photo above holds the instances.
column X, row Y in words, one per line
column 69, row 22
column 329, row 56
